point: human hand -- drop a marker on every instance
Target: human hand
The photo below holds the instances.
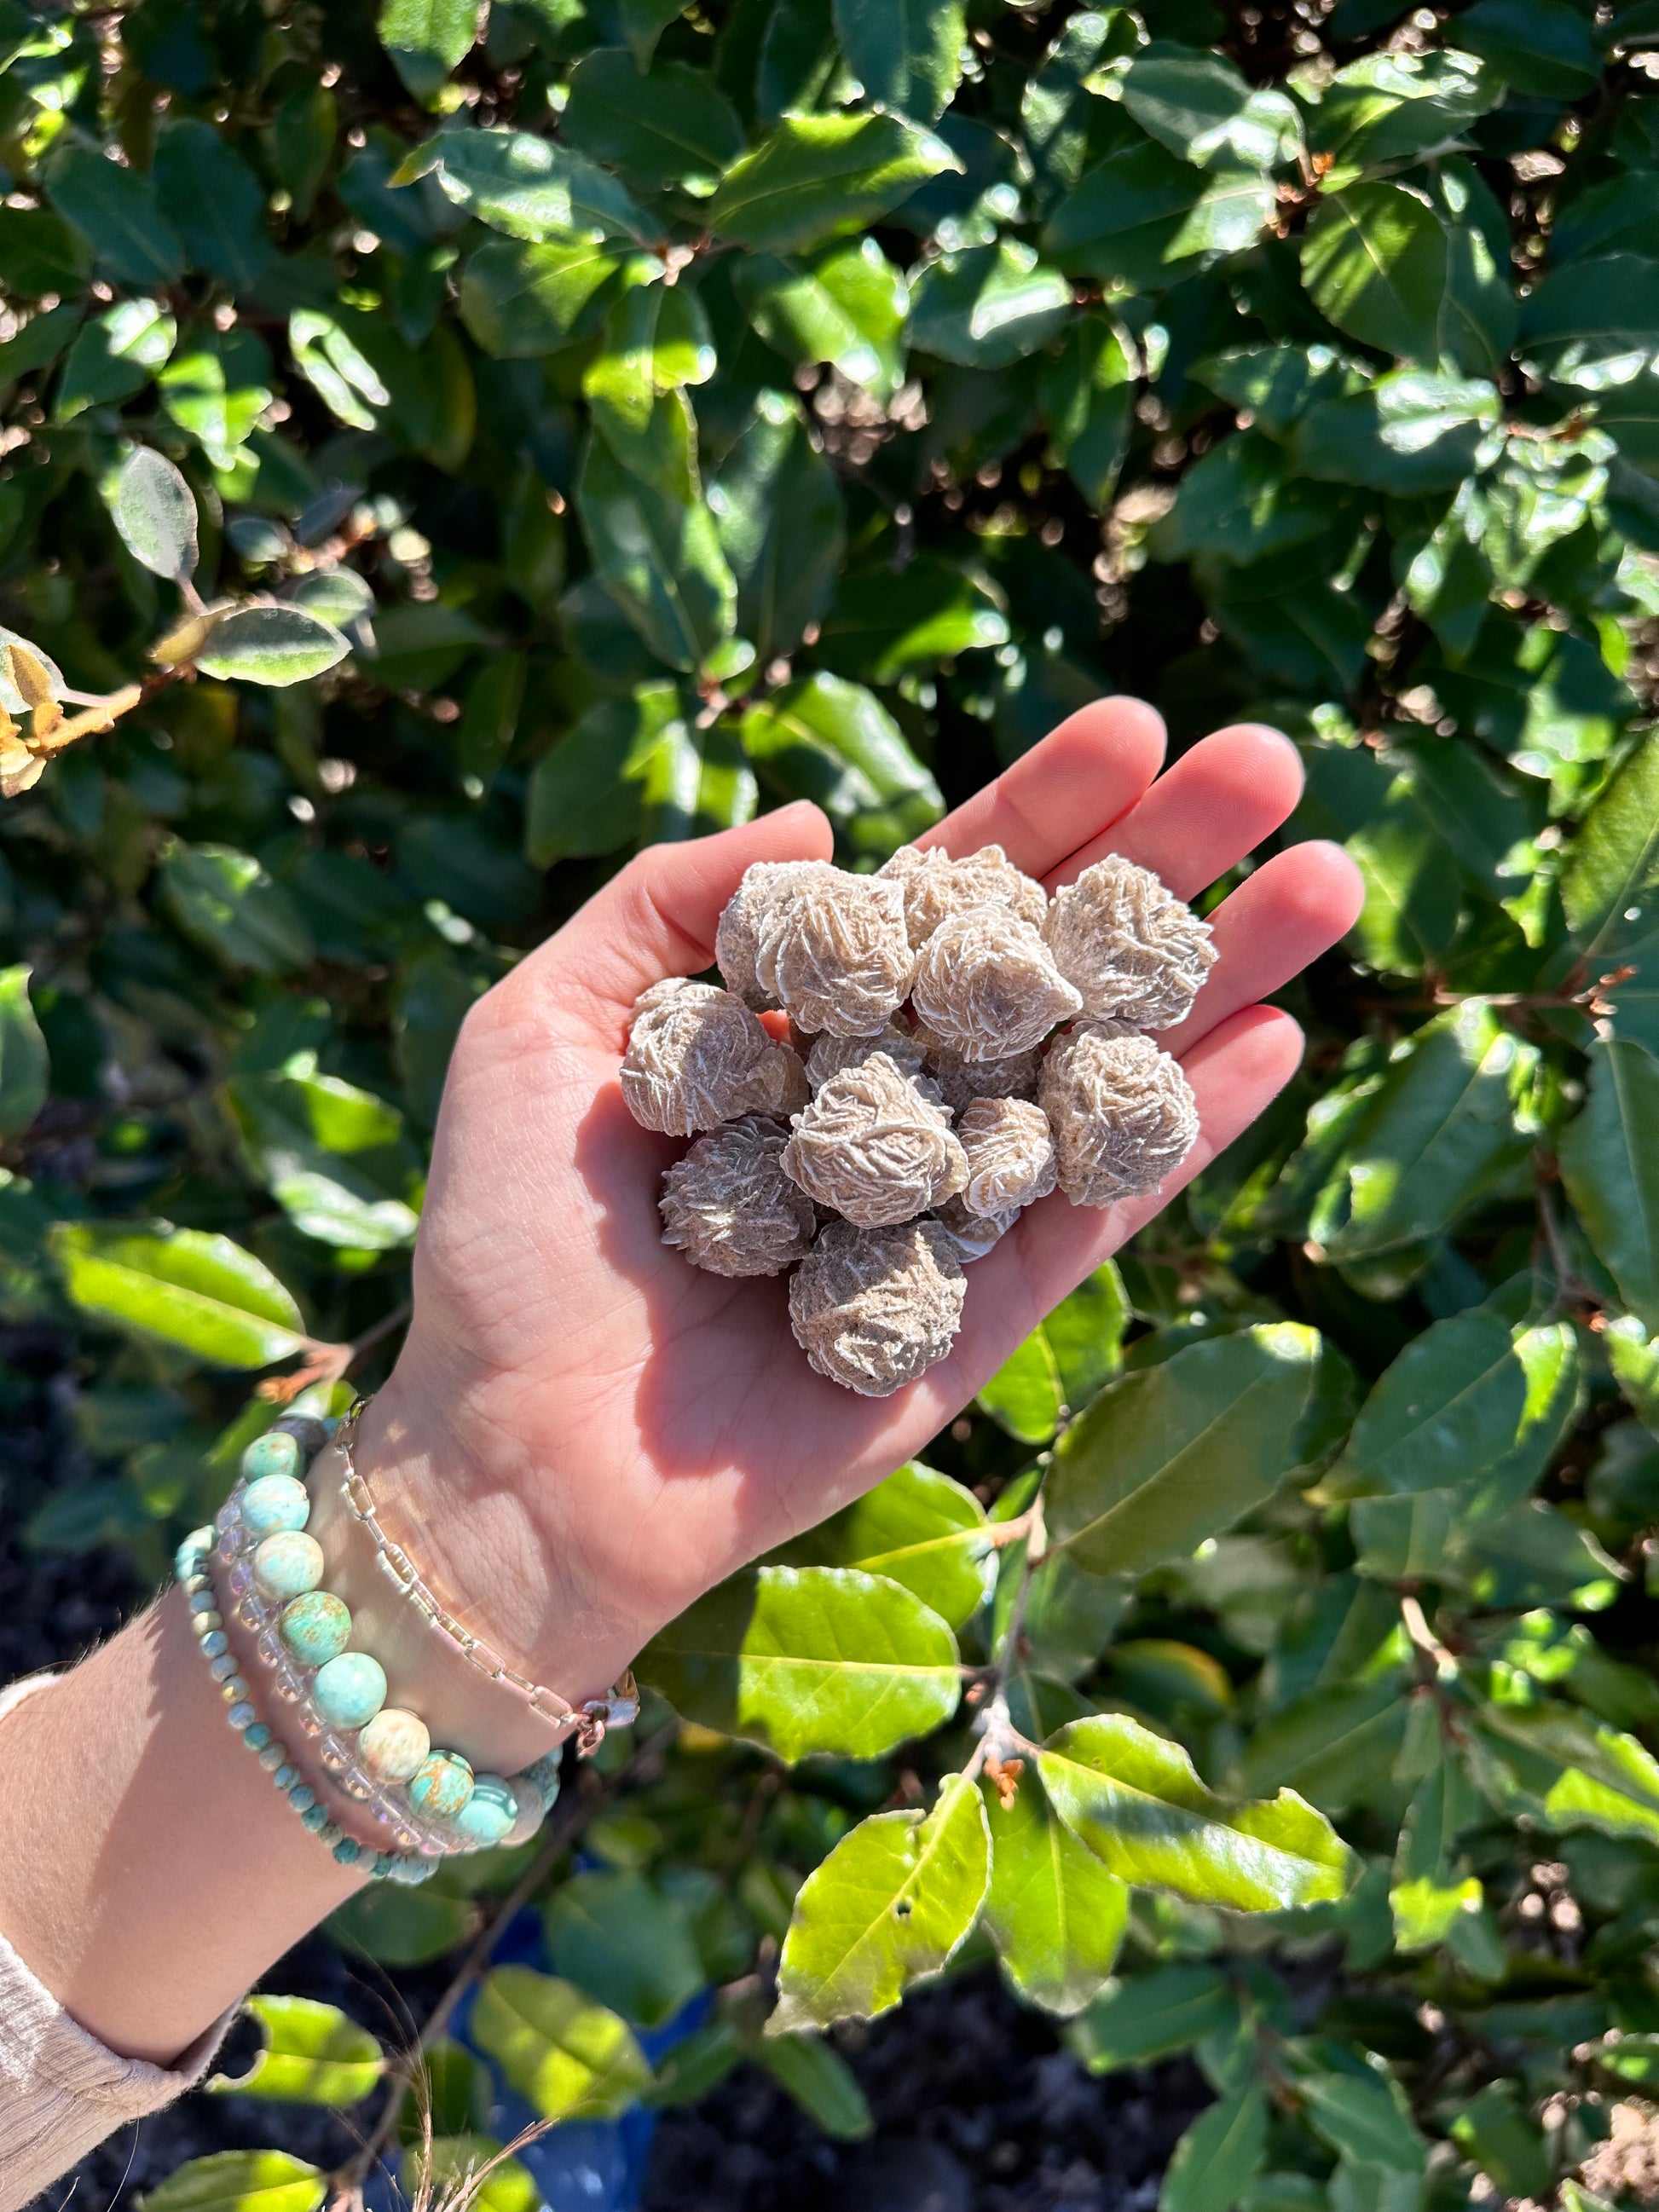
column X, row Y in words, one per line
column 583, row 1433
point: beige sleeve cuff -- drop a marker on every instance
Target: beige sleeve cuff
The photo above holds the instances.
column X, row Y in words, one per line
column 61, row 2090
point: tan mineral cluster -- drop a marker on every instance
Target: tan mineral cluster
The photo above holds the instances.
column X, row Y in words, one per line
column 960, row 1045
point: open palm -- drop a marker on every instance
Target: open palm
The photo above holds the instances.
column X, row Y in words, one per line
column 597, row 1431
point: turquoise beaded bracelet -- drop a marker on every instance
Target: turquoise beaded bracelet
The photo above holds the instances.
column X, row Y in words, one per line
column 429, row 1801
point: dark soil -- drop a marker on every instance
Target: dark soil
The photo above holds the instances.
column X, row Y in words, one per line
column 978, row 2107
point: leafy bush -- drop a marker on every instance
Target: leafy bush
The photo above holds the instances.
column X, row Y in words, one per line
column 589, row 434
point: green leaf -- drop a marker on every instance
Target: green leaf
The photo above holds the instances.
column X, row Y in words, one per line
column 1610, row 884
column 590, row 793
column 1025, row 1396
column 116, row 212
column 1610, row 1164
column 271, row 645
column 520, row 300
column 1142, row 215
column 40, row 254
column 215, row 202
column 882, row 626
column 821, row 2082
column 426, row 39
column 1506, row 2142
column 1134, row 1798
column 1054, row 1913
column 990, row 307
column 114, row 355
column 225, row 901
column 334, row 1158
column 1392, row 106
column 312, row 2054
column 1440, row 1127
column 669, row 127
column 659, row 558
column 240, row 2181
column 907, row 54
column 155, row 511
column 822, row 739
column 216, row 386
column 809, row 1659
column 917, row 1528
column 891, row 1903
column 24, row 1070
column 1413, row 431
column 1364, row 2117
column 644, row 22
column 572, row 2058
column 1223, row 2147
column 818, row 177
column 1374, row 261
column 398, row 1927
column 1595, row 322
column 1448, row 1407
column 1171, row 1455
column 617, row 1936
column 1330, row 1745
column 845, row 306
column 189, row 1288
column 1152, row 2015
column 1088, row 398
column 777, row 508
column 1242, row 501
column 533, row 188
column 1634, row 1359
column 1540, row 46
column 1199, row 105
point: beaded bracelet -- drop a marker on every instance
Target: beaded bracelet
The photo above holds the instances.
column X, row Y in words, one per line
column 588, row 1721
column 429, row 1803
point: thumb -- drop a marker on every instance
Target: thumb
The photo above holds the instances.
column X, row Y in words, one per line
column 657, row 916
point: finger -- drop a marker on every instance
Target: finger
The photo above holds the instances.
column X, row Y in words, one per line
column 1236, row 1072
column 1216, row 803
column 1294, row 908
column 657, row 916
column 1073, row 786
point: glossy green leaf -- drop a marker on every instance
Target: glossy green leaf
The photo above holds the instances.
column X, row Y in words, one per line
column 227, row 902
column 519, row 300
column 531, row 187
column 186, row 1286
column 907, row 54
column 398, row 1927
column 271, row 645
column 114, row 355
column 240, row 2181
column 1054, row 1913
column 117, row 211
column 821, row 2082
column 809, row 1659
column 1134, row 1798
column 215, row 202
column 659, row 558
column 644, row 22
column 818, row 177
column 1199, row 105
column 426, row 38
column 572, row 2058
column 1330, row 1745
column 917, row 1528
column 822, row 739
column 217, row 385
column 1150, row 2016
column 617, row 1937
column 847, row 307
column 1595, row 322
column 1375, row 261
column 881, row 626
column 1088, row 395
column 334, row 1158
column 312, row 2054
column 1412, row 432
column 1172, row 1454
column 1364, row 2117
column 1225, row 2146
column 1543, row 46
column 155, row 511
column 989, row 306
column 1610, row 884
column 1024, row 1395
column 25, row 1070
column 1447, row 1407
column 590, row 793
column 891, row 1903
column 1142, row 213
column 1611, row 1168
column 42, row 254
column 777, row 508
column 1389, row 106
column 671, row 126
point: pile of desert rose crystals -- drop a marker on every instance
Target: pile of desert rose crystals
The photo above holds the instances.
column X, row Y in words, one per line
column 924, row 1100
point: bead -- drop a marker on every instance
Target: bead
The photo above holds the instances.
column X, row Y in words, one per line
column 201, row 1601
column 272, row 1756
column 347, row 1850
column 384, row 1862
column 270, row 1467
column 288, row 1563
column 408, row 1871
column 221, row 1666
column 214, row 1641
column 488, row 1813
column 203, row 1619
column 256, row 1737
column 314, row 1817
column 235, row 1690
column 350, row 1690
column 394, row 1745
column 286, row 1775
column 307, row 1432
column 440, row 1785
column 316, row 1627
column 302, row 1796
column 240, row 1716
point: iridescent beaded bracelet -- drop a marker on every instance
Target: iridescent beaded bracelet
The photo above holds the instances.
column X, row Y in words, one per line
column 428, row 1803
column 587, row 1723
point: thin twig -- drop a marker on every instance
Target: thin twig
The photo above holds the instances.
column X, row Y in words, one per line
column 568, row 1819
column 331, row 1363
column 997, row 1733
